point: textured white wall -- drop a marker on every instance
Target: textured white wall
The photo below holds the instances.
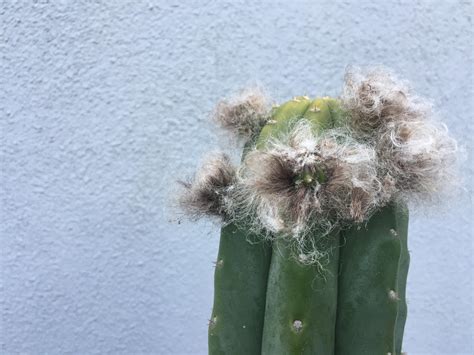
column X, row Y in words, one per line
column 103, row 105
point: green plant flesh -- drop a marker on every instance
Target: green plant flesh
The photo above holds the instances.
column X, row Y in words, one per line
column 371, row 307
column 300, row 312
column 240, row 283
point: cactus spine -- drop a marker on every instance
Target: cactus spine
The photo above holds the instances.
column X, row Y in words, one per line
column 313, row 256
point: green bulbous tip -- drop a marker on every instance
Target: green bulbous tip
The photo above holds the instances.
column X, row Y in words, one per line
column 311, row 178
column 308, row 178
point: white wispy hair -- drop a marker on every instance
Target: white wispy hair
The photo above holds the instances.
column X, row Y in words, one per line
column 375, row 97
column 414, row 150
column 243, row 114
column 208, row 192
column 302, row 181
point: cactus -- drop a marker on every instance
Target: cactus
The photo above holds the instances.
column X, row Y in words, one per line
column 313, row 254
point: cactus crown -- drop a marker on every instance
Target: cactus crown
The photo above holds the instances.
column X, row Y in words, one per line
column 324, row 163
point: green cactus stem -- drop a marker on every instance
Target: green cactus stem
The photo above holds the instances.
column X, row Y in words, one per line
column 240, row 283
column 301, row 304
column 372, row 275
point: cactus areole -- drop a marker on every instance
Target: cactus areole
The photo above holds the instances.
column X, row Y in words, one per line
column 313, row 254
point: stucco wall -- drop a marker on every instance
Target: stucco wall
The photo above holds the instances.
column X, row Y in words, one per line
column 103, row 104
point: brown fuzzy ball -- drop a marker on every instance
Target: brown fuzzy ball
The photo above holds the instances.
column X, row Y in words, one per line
column 420, row 156
column 244, row 114
column 375, row 97
column 416, row 156
column 301, row 180
column 208, row 192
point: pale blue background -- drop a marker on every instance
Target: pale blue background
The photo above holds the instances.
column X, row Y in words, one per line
column 104, row 104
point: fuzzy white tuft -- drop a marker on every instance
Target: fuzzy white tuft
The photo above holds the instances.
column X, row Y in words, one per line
column 207, row 194
column 416, row 155
column 420, row 156
column 375, row 97
column 301, row 181
column 244, row 114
